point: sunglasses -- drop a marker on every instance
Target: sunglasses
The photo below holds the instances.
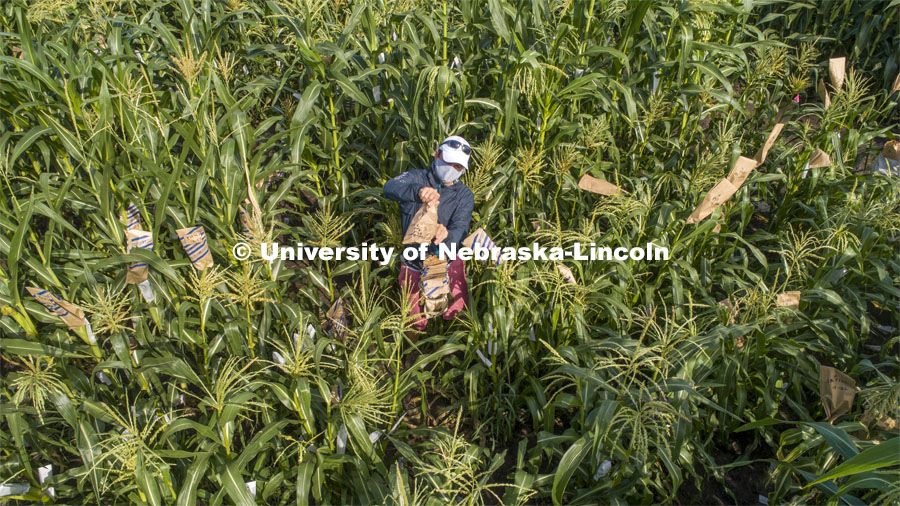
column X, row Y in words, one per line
column 454, row 144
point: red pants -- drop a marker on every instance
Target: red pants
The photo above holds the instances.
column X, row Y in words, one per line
column 459, row 291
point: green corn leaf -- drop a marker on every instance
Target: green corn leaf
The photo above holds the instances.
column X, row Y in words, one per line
column 187, row 494
column 876, row 457
column 567, row 467
column 234, row 486
column 147, row 482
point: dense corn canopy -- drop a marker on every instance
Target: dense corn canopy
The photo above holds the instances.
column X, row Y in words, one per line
column 693, row 379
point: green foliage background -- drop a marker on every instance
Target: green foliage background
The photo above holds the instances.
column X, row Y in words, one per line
column 234, row 375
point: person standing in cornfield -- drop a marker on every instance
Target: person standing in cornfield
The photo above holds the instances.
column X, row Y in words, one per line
column 441, row 183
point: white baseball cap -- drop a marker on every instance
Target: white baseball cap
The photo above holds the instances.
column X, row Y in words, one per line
column 455, row 149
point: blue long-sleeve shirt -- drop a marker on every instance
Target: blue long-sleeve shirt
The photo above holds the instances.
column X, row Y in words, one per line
column 454, row 210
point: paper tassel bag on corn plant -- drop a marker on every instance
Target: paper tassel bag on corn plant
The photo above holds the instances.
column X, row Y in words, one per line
column 68, row 313
column 476, row 238
column 434, row 285
column 423, row 225
column 770, row 141
column 137, row 271
column 819, row 159
column 132, row 217
column 741, row 171
column 337, row 319
column 888, row 162
column 837, row 391
column 251, row 221
column 789, row 299
column 836, row 70
column 731, row 309
column 193, row 239
column 246, row 226
column 594, row 185
column 566, row 273
column 891, row 150
column 824, row 96
column 480, row 239
column 718, row 195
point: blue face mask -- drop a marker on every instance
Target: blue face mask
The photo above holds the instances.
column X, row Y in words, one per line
column 445, row 172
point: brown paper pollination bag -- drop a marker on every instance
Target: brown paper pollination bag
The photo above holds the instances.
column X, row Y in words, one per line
column 193, row 239
column 480, row 239
column 718, row 195
column 824, row 96
column 337, row 318
column 423, row 225
column 789, row 299
column 137, row 271
column 435, row 306
column 891, row 150
column 836, row 69
column 566, row 273
column 819, row 159
column 433, row 280
column 132, row 217
column 732, row 310
column 476, row 238
column 71, row 315
column 595, row 185
column 883, row 423
column 887, row 423
column 837, row 391
column 770, row 141
column 741, row 171
column 434, row 284
column 246, row 226
column 888, row 162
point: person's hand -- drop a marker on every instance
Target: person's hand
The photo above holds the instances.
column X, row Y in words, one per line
column 440, row 234
column 428, row 195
